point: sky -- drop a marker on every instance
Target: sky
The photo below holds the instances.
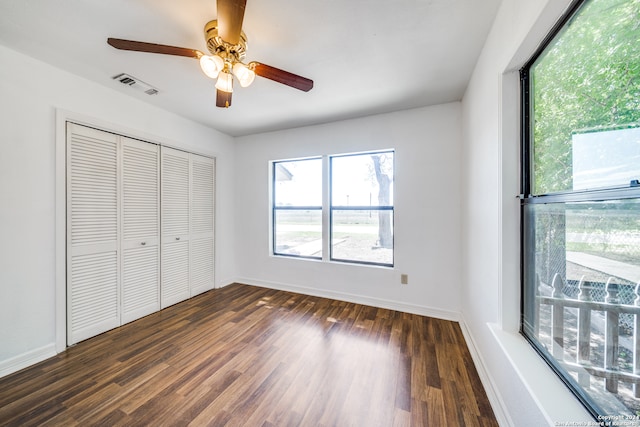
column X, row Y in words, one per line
column 354, row 182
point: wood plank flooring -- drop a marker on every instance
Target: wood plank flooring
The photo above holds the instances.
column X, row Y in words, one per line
column 249, row 356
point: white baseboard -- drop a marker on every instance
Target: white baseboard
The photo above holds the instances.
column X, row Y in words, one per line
column 29, row 358
column 357, row 299
column 495, row 399
column 223, row 283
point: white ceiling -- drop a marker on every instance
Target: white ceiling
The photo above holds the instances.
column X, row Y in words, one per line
column 364, row 56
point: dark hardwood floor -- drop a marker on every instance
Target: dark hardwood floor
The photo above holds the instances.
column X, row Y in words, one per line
column 249, row 356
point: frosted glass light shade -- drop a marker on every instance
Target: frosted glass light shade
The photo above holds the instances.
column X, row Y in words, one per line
column 225, row 81
column 211, row 65
column 244, row 74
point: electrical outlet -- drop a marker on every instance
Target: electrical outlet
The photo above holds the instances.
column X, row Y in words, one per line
column 404, row 279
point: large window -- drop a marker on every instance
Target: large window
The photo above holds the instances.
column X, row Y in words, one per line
column 355, row 221
column 581, row 205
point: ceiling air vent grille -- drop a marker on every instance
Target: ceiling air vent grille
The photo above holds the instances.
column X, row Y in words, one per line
column 136, row 83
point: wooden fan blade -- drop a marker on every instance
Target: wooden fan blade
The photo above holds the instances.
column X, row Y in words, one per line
column 281, row 76
column 230, row 16
column 153, row 48
column 223, row 99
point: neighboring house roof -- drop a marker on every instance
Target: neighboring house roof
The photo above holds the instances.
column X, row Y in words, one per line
column 282, row 173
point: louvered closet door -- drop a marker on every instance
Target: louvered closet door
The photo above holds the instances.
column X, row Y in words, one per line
column 140, row 229
column 92, row 233
column 202, row 225
column 175, row 226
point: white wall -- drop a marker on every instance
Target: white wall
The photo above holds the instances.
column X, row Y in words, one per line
column 427, row 201
column 31, row 95
column 522, row 388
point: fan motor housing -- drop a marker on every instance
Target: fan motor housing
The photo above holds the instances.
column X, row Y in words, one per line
column 216, row 45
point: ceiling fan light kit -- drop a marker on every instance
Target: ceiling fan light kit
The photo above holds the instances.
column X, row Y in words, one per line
column 244, row 74
column 211, row 65
column 225, row 81
column 227, row 57
column 227, row 44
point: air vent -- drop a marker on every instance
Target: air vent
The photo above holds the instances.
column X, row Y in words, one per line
column 136, row 83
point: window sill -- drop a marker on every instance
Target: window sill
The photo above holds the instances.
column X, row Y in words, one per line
column 338, row 262
column 554, row 400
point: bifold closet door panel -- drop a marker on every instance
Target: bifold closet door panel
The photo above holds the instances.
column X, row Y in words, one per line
column 93, row 261
column 202, row 223
column 140, row 229
column 175, row 214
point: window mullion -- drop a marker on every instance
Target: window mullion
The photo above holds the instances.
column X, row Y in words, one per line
column 326, row 209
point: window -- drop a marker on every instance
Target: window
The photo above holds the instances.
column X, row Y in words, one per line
column 362, row 208
column 581, row 205
column 354, row 224
column 297, row 208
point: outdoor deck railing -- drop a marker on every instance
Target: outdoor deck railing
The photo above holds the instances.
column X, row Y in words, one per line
column 585, row 305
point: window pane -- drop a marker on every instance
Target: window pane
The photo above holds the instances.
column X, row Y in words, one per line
column 584, row 259
column 362, row 236
column 298, row 183
column 298, row 232
column 585, row 100
column 362, row 180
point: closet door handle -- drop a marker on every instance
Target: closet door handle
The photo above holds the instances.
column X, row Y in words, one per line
column 143, row 243
column 177, row 238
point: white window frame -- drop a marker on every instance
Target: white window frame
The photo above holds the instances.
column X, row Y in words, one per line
column 327, row 210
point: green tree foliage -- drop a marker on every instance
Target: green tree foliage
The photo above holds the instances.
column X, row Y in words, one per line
column 587, row 80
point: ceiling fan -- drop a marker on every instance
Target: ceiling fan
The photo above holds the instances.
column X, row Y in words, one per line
column 227, row 44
